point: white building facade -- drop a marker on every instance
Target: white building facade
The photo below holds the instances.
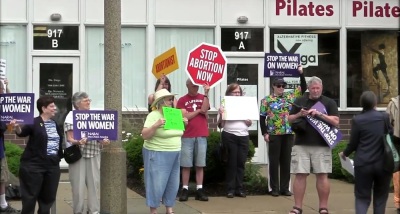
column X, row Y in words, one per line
column 57, row 47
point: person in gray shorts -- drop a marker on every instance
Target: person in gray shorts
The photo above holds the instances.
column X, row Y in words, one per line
column 311, row 150
column 194, row 139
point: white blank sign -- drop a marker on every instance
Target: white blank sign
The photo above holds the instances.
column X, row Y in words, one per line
column 241, row 108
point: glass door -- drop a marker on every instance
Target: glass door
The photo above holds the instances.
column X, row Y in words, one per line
column 249, row 73
column 57, row 77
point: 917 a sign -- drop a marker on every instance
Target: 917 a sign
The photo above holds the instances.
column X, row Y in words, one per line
column 242, row 39
column 56, row 37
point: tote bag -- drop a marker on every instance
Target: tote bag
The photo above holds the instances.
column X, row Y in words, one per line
column 391, row 155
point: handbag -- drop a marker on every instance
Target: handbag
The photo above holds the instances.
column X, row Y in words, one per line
column 13, row 192
column 391, row 156
column 72, row 154
column 299, row 125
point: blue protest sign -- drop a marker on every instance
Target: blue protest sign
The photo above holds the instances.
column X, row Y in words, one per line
column 95, row 125
column 281, row 65
column 18, row 106
column 331, row 134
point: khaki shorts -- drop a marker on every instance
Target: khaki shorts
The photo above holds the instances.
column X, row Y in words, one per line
column 305, row 157
column 4, row 171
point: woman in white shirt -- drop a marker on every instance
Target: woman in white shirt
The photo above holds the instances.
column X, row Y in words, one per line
column 235, row 137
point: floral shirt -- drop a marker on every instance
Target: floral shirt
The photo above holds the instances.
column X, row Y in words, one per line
column 276, row 110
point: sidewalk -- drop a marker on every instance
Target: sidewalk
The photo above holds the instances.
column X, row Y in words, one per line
column 341, row 201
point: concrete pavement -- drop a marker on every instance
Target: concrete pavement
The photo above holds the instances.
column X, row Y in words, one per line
column 341, row 201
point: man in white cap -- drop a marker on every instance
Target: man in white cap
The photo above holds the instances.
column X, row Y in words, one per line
column 194, row 139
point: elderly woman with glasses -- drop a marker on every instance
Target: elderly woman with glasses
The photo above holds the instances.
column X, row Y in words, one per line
column 235, row 136
column 274, row 123
column 85, row 171
column 161, row 155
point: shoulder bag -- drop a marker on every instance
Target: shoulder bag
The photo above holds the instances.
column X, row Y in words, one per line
column 13, row 192
column 72, row 154
column 391, row 156
column 300, row 124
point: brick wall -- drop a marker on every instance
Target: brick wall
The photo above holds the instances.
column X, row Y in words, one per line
column 135, row 120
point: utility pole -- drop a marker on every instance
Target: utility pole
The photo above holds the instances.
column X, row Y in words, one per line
column 113, row 157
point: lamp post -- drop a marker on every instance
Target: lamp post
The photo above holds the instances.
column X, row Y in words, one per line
column 113, row 157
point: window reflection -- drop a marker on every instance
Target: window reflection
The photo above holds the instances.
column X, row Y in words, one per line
column 325, row 66
column 372, row 62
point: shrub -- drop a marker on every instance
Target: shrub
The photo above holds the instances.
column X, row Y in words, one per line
column 337, row 171
column 254, row 182
column 252, row 151
column 13, row 154
column 214, row 172
column 134, row 155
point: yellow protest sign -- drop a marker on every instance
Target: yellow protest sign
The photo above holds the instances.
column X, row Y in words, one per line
column 165, row 63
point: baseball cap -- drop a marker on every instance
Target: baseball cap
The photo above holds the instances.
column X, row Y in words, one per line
column 279, row 80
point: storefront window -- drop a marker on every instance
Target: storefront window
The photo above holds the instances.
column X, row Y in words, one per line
column 319, row 53
column 133, row 66
column 13, row 54
column 372, row 63
column 184, row 40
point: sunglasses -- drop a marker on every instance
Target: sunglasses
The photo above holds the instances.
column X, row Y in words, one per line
column 280, row 86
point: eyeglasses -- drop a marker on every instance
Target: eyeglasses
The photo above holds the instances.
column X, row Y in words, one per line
column 235, row 92
column 280, row 86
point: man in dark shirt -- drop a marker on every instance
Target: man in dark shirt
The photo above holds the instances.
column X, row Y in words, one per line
column 311, row 150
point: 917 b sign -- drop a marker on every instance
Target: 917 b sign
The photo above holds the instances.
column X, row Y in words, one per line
column 56, row 37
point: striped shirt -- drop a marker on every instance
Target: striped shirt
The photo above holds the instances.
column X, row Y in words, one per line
column 53, row 139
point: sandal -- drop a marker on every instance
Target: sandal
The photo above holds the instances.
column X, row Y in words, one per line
column 323, row 211
column 296, row 210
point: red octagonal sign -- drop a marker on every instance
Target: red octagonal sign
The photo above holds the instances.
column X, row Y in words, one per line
column 206, row 64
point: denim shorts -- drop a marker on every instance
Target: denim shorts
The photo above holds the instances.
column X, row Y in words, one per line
column 161, row 177
column 305, row 157
column 194, row 149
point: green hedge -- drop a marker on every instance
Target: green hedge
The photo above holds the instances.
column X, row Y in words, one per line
column 134, row 157
column 214, row 172
column 337, row 171
column 13, row 155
